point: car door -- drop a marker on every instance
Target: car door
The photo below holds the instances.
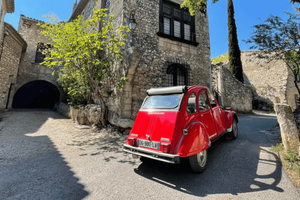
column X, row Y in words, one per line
column 206, row 114
column 217, row 113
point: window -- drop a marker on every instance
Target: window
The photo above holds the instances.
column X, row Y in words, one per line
column 176, row 23
column 203, row 102
column 176, row 75
column 191, row 104
column 39, row 56
column 166, row 101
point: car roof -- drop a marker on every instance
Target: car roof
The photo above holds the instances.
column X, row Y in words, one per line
column 196, row 87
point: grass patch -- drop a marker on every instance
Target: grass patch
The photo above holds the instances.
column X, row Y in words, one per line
column 277, row 148
column 220, row 58
column 290, row 162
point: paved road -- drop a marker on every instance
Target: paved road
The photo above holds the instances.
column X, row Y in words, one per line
column 43, row 156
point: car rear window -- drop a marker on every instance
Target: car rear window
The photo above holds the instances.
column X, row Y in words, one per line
column 165, row 101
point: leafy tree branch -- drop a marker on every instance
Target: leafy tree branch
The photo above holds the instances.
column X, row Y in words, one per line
column 88, row 55
column 278, row 39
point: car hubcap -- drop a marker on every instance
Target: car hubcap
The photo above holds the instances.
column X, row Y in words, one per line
column 202, row 157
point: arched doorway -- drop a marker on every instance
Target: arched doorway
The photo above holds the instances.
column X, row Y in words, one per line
column 36, row 94
column 176, row 75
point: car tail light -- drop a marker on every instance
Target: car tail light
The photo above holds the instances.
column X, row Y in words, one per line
column 131, row 141
column 165, row 147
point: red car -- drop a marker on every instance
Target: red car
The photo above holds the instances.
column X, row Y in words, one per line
column 178, row 122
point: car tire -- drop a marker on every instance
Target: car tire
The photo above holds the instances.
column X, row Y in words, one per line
column 234, row 132
column 198, row 162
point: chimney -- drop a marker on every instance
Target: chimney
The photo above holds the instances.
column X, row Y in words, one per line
column 74, row 6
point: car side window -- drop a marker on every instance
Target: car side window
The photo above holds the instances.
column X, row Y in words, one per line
column 203, row 102
column 191, row 104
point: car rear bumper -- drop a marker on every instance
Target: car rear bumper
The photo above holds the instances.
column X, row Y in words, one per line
column 164, row 157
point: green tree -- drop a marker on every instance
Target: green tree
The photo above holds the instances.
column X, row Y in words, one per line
column 195, row 5
column 295, row 1
column 235, row 63
column 276, row 39
column 87, row 54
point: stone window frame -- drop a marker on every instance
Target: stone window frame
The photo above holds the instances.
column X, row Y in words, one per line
column 186, row 68
column 172, row 17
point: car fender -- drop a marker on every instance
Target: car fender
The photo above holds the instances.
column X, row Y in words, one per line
column 230, row 116
column 196, row 140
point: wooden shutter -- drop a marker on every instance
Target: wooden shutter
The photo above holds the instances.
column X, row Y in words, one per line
column 167, row 24
column 187, row 32
column 177, row 29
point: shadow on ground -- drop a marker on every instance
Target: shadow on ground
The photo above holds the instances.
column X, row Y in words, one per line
column 240, row 166
column 32, row 167
column 226, row 173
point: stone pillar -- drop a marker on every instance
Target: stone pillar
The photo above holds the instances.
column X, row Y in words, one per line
column 288, row 128
column 135, row 57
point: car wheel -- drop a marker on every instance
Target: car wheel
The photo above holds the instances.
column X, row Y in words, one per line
column 234, row 133
column 198, row 162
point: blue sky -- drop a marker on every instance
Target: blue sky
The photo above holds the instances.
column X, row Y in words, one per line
column 247, row 14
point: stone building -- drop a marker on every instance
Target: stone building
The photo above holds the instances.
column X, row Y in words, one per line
column 13, row 46
column 270, row 81
column 35, row 87
column 167, row 48
column 6, row 6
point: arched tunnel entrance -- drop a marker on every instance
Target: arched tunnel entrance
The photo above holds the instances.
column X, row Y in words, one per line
column 36, row 94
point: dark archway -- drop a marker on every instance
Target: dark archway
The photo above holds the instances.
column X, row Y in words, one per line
column 36, row 94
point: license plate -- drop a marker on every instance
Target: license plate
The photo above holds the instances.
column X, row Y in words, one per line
column 149, row 144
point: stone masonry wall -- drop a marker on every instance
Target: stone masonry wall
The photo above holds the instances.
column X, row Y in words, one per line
column 271, row 81
column 147, row 56
column 232, row 92
column 9, row 64
column 29, row 70
column 157, row 53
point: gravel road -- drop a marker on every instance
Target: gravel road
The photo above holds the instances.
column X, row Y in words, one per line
column 44, row 156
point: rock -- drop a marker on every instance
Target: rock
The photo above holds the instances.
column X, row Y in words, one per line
column 123, row 123
column 288, row 129
column 126, row 132
column 91, row 114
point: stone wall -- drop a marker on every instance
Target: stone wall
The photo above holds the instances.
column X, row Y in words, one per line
column 29, row 69
column 146, row 55
column 231, row 92
column 13, row 46
column 155, row 53
column 271, row 81
column 63, row 109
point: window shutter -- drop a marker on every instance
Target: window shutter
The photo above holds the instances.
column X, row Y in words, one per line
column 177, row 13
column 187, row 32
column 177, row 29
column 167, row 24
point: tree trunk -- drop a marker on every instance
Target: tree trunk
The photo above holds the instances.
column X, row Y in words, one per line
column 288, row 128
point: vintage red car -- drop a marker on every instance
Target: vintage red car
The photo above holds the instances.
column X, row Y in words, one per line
column 178, row 122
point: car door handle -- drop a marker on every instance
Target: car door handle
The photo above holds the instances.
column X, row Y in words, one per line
column 201, row 115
